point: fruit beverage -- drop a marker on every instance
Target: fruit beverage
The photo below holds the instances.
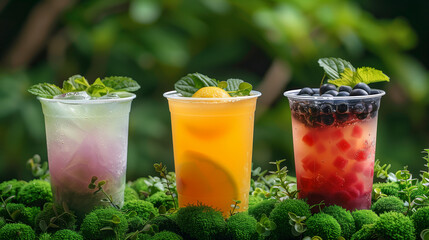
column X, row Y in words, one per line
column 334, row 142
column 212, row 140
column 86, row 138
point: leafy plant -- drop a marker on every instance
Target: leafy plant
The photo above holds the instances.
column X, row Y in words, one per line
column 38, row 169
column 283, row 186
column 265, row 226
column 234, row 207
column 99, row 188
column 297, row 223
column 162, row 170
column 64, row 218
column 4, row 203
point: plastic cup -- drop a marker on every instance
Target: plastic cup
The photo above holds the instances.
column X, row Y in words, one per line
column 87, row 138
column 212, row 141
column 334, row 142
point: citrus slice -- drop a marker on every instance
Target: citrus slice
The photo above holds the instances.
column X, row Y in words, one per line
column 200, row 180
column 211, row 92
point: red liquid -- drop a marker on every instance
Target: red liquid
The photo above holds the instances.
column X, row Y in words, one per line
column 335, row 163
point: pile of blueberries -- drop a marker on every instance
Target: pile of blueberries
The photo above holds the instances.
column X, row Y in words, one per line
column 322, row 112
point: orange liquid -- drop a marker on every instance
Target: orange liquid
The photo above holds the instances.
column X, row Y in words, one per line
column 213, row 151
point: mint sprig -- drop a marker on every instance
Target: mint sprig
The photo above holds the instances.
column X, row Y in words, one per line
column 192, row 82
column 78, row 83
column 341, row 72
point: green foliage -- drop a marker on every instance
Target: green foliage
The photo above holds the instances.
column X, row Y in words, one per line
column 283, row 186
column 280, row 216
column 35, row 193
column 363, row 217
column 130, row 194
column 169, row 180
column 17, row 231
column 135, row 223
column 365, row 233
column 2, row 222
column 16, row 186
column 166, row 223
column 421, row 219
column 14, row 212
column 387, row 204
column 344, row 218
column 54, row 217
column 104, row 224
column 141, row 187
column 45, row 236
column 324, row 226
column 241, row 226
column 395, row 226
column 265, row 226
column 388, row 188
column 263, row 207
column 66, row 234
column 165, row 235
column 38, row 169
column 143, row 208
column 200, row 222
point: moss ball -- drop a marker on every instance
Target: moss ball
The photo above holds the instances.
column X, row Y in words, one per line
column 141, row 207
column 241, row 226
column 101, row 218
column 56, row 215
column 160, row 198
column 166, row 223
column 22, row 214
column 254, row 200
column 324, row 226
column 201, row 222
column 165, row 235
column 130, row 194
column 66, row 234
column 365, row 233
column 17, row 231
column 421, row 219
column 280, row 216
column 388, row 188
column 140, row 187
column 388, row 204
column 16, row 186
column 263, row 207
column 394, row 226
column 35, row 193
column 363, row 217
column 135, row 223
column 2, row 222
column 344, row 218
column 143, row 236
column 45, row 236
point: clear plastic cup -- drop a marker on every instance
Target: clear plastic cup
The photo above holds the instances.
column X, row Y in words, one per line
column 87, row 138
column 212, row 140
column 334, row 142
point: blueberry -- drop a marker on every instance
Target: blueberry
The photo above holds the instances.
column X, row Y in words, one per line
column 345, row 89
column 332, row 92
column 374, row 91
column 342, row 107
column 358, row 92
column 316, row 90
column 314, row 110
column 358, row 108
column 326, row 87
column 306, row 90
column 343, row 94
column 327, row 108
column 342, row 118
column 363, row 86
column 362, row 116
column 327, row 119
column 368, row 107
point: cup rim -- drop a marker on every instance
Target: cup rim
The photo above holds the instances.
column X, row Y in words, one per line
column 177, row 96
column 92, row 101
column 292, row 94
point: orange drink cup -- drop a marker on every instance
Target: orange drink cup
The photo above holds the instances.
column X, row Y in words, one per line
column 212, row 141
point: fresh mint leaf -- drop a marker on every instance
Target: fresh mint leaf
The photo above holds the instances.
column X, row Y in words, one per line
column 98, row 89
column 192, row 82
column 370, row 75
column 244, row 89
column 233, row 84
column 118, row 83
column 348, row 78
column 45, row 90
column 75, row 83
column 222, row 84
column 335, row 66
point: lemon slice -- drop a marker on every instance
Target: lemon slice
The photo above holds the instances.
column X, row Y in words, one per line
column 201, row 180
column 211, row 92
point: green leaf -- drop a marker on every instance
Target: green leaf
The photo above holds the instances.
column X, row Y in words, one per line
column 233, row 84
column 75, row 83
column 371, row 75
column 98, row 89
column 425, row 234
column 222, row 84
column 335, row 66
column 6, row 189
column 244, row 89
column 348, row 78
column 43, row 226
column 192, row 82
column 107, row 229
column 116, row 219
column 45, row 90
column 118, row 83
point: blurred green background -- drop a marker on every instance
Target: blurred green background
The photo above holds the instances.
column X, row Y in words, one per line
column 274, row 44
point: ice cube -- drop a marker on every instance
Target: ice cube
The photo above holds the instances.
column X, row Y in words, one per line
column 74, row 96
column 109, row 96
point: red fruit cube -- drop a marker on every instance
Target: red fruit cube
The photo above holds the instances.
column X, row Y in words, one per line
column 350, row 179
column 343, row 145
column 369, row 172
column 361, row 155
column 305, row 184
column 310, row 163
column 353, row 192
column 336, row 182
column 309, row 139
column 358, row 167
column 357, row 132
column 337, row 134
column 340, row 162
column 360, row 187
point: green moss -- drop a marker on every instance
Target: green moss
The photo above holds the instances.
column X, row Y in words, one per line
column 280, row 216
column 160, row 198
column 17, row 231
column 363, row 217
column 365, row 233
column 22, row 214
column 201, row 222
column 241, row 226
column 143, row 236
column 166, row 223
column 66, row 234
column 57, row 216
column 45, row 236
column 141, row 207
column 35, row 193
column 2, row 222
column 165, row 235
column 130, row 194
column 16, row 186
column 421, row 219
column 388, row 204
column 135, row 224
column 263, row 207
column 324, row 226
column 394, row 226
column 254, row 200
column 389, row 188
column 140, row 187
column 344, row 218
column 99, row 219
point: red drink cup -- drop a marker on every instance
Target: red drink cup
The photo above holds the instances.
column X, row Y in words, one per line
column 334, row 147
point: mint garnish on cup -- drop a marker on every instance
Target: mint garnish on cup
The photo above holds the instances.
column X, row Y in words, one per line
column 78, row 83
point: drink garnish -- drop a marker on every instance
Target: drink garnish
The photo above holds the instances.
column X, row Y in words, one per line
column 211, row 92
column 191, row 83
column 78, row 83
